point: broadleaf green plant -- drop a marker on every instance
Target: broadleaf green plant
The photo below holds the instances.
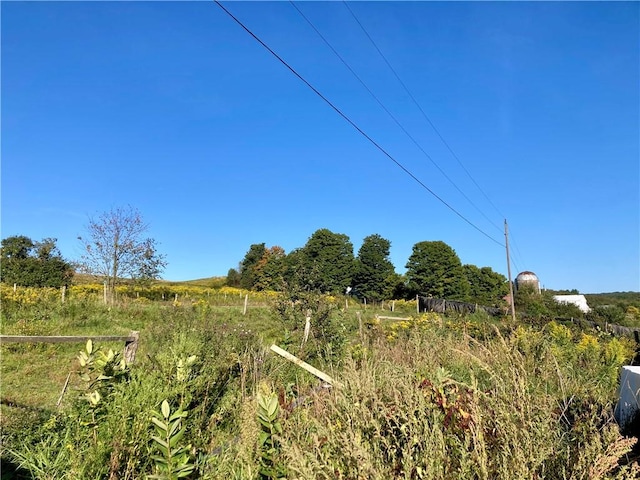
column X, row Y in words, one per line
column 268, row 410
column 174, row 460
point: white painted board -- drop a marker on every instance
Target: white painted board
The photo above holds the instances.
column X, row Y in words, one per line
column 629, row 395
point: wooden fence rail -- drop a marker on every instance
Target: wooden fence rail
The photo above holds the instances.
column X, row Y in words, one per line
column 383, row 317
column 130, row 341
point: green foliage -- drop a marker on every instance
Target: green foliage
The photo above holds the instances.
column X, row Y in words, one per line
column 374, row 273
column 33, row 264
column 268, row 444
column 17, row 247
column 530, row 303
column 618, row 307
column 434, row 269
column 607, row 313
column 270, row 270
column 487, row 287
column 622, row 299
column 534, row 305
column 438, row 406
column 441, row 398
column 632, row 316
column 261, row 269
column 327, row 336
column 100, row 371
column 325, row 264
column 248, row 274
column 399, row 287
column 233, row 278
column 174, row 460
column 44, row 460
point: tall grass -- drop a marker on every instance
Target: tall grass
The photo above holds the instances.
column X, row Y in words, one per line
column 445, row 406
column 430, row 398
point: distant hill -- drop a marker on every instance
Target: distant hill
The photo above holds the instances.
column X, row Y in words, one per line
column 84, row 279
column 212, row 282
column 622, row 299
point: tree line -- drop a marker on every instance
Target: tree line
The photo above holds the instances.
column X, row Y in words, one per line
column 29, row 263
column 114, row 247
column 327, row 264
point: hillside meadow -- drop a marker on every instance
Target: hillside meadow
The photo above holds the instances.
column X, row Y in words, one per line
column 424, row 396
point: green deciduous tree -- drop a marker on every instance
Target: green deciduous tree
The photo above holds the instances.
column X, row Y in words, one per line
column 325, row 264
column 270, row 269
column 233, row 278
column 374, row 273
column 17, row 247
column 434, row 269
column 487, row 287
column 295, row 274
column 33, row 264
column 248, row 265
column 115, row 248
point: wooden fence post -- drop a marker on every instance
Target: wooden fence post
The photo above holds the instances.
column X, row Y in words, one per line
column 393, row 306
column 104, row 293
column 307, row 327
column 64, row 291
column 359, row 315
column 417, row 305
column 131, row 346
column 246, row 300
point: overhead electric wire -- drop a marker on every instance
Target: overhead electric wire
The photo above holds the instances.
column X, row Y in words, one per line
column 393, row 117
column 424, row 114
column 435, row 129
column 516, row 249
column 513, row 261
column 353, row 124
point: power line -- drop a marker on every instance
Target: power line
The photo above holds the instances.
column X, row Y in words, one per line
column 513, row 261
column 344, row 116
column 406, row 89
column 517, row 250
column 391, row 114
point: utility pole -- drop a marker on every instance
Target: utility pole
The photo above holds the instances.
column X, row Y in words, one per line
column 506, row 242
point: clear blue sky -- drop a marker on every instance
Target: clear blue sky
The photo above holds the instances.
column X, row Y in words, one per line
column 174, row 109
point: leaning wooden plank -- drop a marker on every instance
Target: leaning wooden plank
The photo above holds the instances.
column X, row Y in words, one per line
column 64, row 339
column 382, row 317
column 305, row 365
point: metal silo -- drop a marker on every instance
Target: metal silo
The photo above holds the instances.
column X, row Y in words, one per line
column 528, row 278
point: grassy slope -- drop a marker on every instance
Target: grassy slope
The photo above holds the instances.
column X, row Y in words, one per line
column 624, row 299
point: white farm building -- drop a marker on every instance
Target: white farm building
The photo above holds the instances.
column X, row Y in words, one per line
column 578, row 300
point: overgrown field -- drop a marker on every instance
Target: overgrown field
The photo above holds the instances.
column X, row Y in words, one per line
column 432, row 397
